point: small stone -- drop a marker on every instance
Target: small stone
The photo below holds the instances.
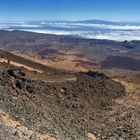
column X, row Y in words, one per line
column 91, row 136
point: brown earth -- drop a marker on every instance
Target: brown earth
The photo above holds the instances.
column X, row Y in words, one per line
column 41, row 102
column 90, row 107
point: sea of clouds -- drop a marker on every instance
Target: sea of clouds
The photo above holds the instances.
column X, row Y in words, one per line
column 118, row 32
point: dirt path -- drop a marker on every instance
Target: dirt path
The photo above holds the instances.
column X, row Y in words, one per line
column 130, row 87
column 132, row 100
column 132, row 93
column 20, row 65
column 60, row 81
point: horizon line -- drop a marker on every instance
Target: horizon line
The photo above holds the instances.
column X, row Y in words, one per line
column 71, row 20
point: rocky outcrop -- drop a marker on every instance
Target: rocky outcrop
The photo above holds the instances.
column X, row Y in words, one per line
column 65, row 110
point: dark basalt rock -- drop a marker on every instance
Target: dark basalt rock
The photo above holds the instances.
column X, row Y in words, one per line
column 68, row 110
column 16, row 72
column 95, row 74
column 16, row 78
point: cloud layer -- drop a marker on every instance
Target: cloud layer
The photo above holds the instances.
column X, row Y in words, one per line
column 119, row 32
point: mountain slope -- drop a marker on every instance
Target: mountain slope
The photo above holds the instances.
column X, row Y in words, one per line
column 65, row 110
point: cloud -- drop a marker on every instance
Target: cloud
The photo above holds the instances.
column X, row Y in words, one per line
column 92, row 31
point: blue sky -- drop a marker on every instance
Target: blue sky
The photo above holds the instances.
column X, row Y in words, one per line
column 124, row 10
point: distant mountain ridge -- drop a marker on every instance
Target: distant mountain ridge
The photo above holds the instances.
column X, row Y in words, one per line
column 95, row 21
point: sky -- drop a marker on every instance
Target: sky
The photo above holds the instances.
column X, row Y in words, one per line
column 118, row 10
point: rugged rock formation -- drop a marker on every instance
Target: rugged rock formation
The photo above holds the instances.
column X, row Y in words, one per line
column 65, row 110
